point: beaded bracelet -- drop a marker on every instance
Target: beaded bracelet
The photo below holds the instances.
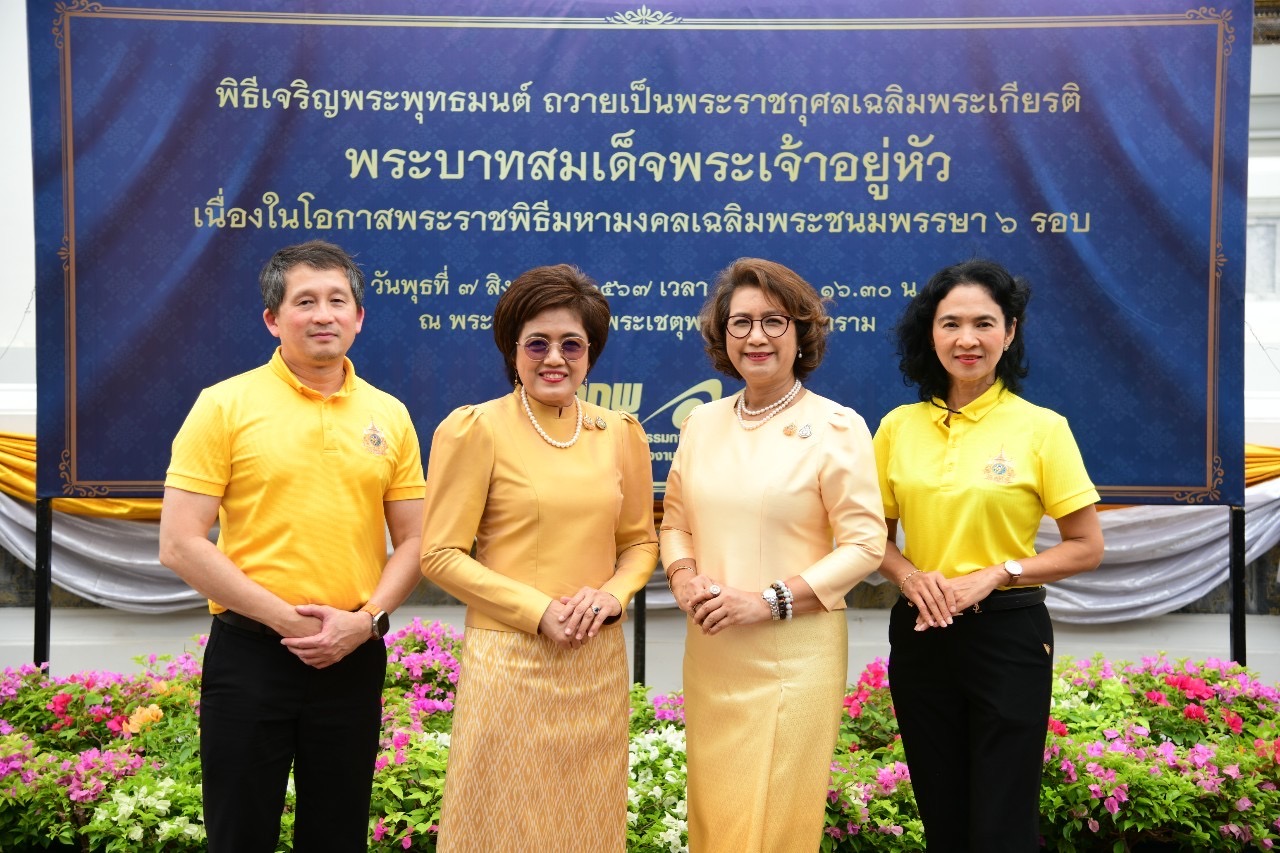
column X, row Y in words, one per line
column 770, row 597
column 902, row 585
column 785, row 598
column 672, row 574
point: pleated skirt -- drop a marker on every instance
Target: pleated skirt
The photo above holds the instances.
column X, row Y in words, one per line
column 538, row 753
column 762, row 709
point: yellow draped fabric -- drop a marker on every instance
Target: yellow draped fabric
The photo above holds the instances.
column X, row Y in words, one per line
column 18, row 478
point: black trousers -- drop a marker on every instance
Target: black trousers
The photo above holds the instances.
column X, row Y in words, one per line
column 262, row 711
column 972, row 702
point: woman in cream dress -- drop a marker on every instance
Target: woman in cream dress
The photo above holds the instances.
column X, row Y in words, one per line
column 557, row 496
column 772, row 514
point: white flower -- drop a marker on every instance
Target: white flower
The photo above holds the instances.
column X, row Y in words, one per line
column 135, row 832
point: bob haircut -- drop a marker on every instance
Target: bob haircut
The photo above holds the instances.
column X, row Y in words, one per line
column 544, row 288
column 317, row 254
column 782, row 286
column 917, row 360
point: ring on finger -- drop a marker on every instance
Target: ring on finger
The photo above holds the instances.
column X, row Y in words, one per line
column 596, row 609
column 714, row 589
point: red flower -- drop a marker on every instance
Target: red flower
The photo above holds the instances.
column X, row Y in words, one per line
column 1233, row 720
column 1057, row 727
column 1157, row 697
column 1194, row 712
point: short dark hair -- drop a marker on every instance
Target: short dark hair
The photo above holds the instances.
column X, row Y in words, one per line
column 917, row 360
column 783, row 286
column 317, row 254
column 541, row 289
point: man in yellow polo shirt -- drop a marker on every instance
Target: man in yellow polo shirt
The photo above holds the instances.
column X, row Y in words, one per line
column 305, row 467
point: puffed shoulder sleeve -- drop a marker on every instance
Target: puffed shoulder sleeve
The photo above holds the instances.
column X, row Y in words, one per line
column 676, row 536
column 1065, row 483
column 635, row 539
column 201, row 460
column 851, row 495
column 883, row 443
column 459, row 469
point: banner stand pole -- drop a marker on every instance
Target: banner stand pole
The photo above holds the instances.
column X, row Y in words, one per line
column 1238, row 650
column 44, row 579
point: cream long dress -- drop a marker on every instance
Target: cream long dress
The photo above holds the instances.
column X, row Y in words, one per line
column 538, row 753
column 763, row 701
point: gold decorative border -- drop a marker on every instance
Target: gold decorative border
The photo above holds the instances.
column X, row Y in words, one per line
column 645, row 18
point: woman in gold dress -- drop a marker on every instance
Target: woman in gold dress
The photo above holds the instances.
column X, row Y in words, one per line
column 772, row 514
column 557, row 496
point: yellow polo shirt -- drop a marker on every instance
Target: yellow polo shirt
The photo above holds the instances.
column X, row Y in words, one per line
column 971, row 495
column 302, row 478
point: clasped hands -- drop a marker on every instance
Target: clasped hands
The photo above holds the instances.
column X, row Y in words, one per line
column 572, row 621
column 939, row 599
column 715, row 606
column 324, row 635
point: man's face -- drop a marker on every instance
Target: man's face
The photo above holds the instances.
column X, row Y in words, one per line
column 318, row 319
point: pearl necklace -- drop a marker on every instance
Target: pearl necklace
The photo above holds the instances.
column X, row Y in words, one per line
column 786, row 398
column 577, row 414
column 773, row 410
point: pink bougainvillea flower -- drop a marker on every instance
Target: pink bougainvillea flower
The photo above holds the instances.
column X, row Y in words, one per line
column 1243, row 804
column 379, row 830
column 1057, row 727
column 1157, row 697
column 1194, row 712
column 1093, row 825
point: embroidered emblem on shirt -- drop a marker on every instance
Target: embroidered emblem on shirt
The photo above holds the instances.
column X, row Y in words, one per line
column 999, row 469
column 374, row 441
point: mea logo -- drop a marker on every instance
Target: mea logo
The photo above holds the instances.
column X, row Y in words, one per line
column 682, row 404
column 626, row 397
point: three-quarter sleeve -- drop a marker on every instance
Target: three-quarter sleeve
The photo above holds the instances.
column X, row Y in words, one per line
column 635, row 539
column 850, row 492
column 458, row 475
column 676, row 537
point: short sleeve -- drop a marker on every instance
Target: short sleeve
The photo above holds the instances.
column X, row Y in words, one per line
column 883, row 443
column 406, row 480
column 201, row 458
column 1064, row 480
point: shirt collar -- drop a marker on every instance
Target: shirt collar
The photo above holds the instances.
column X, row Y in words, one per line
column 280, row 369
column 975, row 410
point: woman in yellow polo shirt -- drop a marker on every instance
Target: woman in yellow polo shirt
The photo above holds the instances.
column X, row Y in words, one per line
column 968, row 473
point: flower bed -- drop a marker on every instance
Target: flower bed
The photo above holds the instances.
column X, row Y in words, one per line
column 1158, row 754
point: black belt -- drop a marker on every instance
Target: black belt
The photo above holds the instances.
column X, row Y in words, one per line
column 1009, row 599
column 244, row 623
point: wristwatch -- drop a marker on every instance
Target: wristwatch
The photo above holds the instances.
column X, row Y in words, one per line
column 381, row 621
column 1014, row 568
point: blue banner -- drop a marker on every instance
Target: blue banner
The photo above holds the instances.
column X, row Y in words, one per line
column 1099, row 151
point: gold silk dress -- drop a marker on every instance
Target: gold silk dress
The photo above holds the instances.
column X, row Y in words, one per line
column 538, row 752
column 763, row 701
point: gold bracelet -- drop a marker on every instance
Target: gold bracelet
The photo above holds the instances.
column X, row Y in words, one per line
column 672, row 574
column 902, row 586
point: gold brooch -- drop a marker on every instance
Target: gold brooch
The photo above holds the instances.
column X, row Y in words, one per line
column 789, row 429
column 600, row 423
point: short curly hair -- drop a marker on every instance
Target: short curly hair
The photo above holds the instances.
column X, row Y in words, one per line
column 917, row 359
column 542, row 289
column 783, row 286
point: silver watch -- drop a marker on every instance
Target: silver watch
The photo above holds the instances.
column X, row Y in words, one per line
column 1014, row 568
